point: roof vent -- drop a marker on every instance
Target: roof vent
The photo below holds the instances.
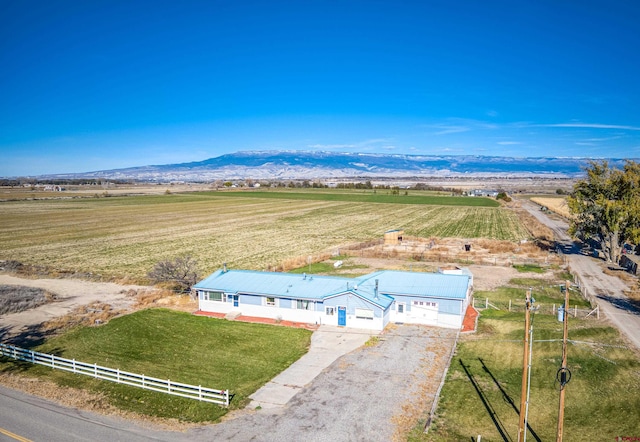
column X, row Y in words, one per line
column 224, row 267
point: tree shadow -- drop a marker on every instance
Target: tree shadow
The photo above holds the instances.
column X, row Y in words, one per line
column 628, row 305
column 507, row 398
column 487, row 405
column 28, row 337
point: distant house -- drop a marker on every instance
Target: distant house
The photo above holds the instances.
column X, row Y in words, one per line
column 367, row 302
column 483, row 192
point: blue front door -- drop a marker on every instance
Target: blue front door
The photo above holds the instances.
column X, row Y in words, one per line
column 235, row 300
column 342, row 316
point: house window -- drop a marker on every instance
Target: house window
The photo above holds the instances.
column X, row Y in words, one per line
column 270, row 301
column 213, row 296
column 304, row 305
column 427, row 304
column 364, row 313
column 330, row 311
column 400, row 309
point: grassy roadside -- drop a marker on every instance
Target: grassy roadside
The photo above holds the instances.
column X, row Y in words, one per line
column 165, row 344
column 481, row 395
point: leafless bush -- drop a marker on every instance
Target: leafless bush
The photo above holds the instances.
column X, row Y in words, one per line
column 17, row 298
column 97, row 313
column 179, row 274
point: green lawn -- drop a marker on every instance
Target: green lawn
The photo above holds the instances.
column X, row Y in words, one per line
column 481, row 395
column 214, row 353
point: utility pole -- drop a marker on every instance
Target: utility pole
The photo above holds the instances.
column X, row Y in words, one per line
column 562, row 373
column 525, row 369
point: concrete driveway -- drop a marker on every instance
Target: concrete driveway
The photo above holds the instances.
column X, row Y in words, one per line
column 376, row 392
column 328, row 343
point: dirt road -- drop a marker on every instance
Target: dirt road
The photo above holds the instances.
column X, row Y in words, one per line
column 608, row 291
column 71, row 293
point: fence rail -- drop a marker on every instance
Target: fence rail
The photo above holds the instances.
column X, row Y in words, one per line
column 518, row 305
column 166, row 386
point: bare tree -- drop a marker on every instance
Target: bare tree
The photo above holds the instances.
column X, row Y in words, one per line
column 181, row 273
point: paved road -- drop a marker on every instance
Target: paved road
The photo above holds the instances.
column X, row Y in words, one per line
column 608, row 291
column 24, row 417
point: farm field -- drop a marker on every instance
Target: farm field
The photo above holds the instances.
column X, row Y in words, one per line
column 555, row 204
column 381, row 196
column 123, row 237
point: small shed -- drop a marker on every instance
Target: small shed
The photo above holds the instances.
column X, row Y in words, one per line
column 393, row 237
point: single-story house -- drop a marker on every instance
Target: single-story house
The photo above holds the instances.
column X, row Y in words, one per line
column 367, row 302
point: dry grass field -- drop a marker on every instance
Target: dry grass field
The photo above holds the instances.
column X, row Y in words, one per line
column 555, row 204
column 123, row 237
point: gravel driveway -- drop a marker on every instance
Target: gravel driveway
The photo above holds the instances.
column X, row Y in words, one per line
column 373, row 393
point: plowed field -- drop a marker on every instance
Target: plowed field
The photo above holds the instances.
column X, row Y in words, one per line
column 125, row 236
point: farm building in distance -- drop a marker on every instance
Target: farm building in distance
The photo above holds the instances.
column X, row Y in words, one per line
column 367, row 302
column 393, row 237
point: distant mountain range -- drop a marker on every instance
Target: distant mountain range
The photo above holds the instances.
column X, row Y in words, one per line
column 311, row 165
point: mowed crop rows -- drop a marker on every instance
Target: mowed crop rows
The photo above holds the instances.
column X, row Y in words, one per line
column 126, row 236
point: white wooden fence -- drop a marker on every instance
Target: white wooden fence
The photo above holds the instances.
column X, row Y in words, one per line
column 197, row 392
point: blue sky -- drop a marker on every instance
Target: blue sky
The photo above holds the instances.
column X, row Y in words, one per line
column 99, row 85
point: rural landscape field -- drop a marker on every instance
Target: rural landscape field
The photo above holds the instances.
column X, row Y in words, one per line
column 120, row 238
column 123, row 237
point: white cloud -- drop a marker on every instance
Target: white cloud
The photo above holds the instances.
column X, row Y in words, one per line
column 443, row 129
column 592, row 126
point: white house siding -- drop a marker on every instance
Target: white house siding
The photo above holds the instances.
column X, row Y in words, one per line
column 216, row 306
column 425, row 316
column 449, row 321
column 367, row 324
column 286, row 314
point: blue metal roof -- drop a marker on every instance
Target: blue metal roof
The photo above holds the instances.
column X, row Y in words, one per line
column 315, row 287
column 436, row 285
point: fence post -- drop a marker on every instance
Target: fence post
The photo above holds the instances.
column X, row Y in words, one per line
column 73, row 364
column 168, row 385
column 199, row 392
column 509, row 304
column 95, row 370
column 33, row 357
column 486, row 303
column 575, row 311
column 53, row 365
column 226, row 397
column 118, row 375
column 142, row 381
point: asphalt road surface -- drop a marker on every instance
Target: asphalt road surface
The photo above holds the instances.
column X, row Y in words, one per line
column 608, row 291
column 30, row 418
